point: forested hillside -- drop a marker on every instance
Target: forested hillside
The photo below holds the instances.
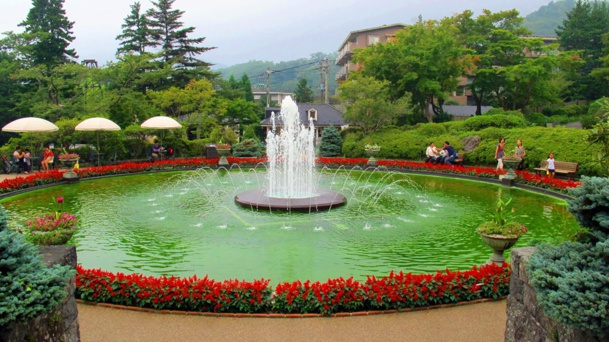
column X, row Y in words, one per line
column 546, row 19
column 286, row 74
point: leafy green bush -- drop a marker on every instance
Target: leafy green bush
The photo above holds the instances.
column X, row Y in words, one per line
column 247, row 148
column 476, row 123
column 27, row 287
column 331, row 143
column 572, row 284
column 536, row 119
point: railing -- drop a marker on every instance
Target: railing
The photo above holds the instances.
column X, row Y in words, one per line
column 345, row 54
column 342, row 74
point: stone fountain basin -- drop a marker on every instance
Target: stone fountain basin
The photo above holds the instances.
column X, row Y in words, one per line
column 324, row 200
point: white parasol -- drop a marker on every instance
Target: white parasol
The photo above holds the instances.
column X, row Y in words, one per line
column 160, row 122
column 97, row 124
column 30, row 124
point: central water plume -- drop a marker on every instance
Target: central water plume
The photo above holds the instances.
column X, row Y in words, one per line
column 292, row 180
column 291, row 155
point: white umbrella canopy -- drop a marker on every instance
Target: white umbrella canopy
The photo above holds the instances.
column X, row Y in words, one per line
column 30, row 124
column 160, row 122
column 97, row 124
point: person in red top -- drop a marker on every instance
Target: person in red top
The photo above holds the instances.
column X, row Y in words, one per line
column 47, row 158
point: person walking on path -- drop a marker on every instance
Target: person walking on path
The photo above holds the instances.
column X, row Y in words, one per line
column 499, row 153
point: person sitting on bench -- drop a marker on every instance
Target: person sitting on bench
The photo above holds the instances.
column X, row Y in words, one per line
column 18, row 159
column 157, row 149
column 47, row 158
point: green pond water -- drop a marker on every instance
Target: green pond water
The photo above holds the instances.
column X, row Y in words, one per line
column 187, row 223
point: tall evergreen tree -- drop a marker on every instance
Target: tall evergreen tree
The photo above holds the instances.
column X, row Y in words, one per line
column 583, row 30
column 247, row 87
column 49, row 33
column 303, row 92
column 136, row 34
column 168, row 33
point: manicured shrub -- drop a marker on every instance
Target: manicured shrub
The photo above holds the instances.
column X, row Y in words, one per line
column 572, row 284
column 476, row 123
column 27, row 287
column 247, row 148
column 590, row 206
column 331, row 143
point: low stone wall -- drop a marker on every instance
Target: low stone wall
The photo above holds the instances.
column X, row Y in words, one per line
column 62, row 323
column 526, row 320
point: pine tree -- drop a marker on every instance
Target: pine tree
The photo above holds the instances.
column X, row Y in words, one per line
column 303, row 93
column 49, row 33
column 331, row 143
column 136, row 34
column 247, row 87
column 168, row 33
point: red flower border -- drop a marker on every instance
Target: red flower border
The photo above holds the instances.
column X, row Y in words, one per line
column 55, row 176
column 394, row 292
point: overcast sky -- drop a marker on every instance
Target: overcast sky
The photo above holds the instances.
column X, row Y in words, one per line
column 267, row 30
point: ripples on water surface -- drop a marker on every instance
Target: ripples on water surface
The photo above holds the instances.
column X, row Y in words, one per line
column 186, row 223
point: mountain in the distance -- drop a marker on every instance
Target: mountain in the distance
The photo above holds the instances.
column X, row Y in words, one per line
column 285, row 75
column 546, row 19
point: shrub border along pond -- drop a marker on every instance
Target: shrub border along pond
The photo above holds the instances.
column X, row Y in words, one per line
column 398, row 291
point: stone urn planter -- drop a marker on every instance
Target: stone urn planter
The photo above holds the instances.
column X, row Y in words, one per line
column 372, row 153
column 223, row 152
column 502, row 232
column 511, row 162
column 51, row 238
column 498, row 244
column 69, row 176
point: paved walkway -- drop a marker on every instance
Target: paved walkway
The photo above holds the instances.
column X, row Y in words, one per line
column 483, row 322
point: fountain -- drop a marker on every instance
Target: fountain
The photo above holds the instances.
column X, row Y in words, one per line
column 292, row 181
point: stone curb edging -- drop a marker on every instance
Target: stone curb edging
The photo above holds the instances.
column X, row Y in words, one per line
column 277, row 315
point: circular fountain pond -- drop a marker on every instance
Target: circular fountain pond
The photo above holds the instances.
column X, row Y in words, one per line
column 188, row 223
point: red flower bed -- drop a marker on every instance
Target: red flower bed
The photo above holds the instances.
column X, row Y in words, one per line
column 55, row 176
column 396, row 291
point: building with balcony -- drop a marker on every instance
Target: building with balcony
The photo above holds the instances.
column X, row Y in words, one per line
column 360, row 39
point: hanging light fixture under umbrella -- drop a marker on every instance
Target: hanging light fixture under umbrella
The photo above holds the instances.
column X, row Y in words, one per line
column 161, row 122
column 97, row 124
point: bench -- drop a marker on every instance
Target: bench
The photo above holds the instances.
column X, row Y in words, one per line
column 460, row 158
column 565, row 168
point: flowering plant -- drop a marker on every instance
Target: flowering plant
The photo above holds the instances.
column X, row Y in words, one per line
column 502, row 223
column 68, row 156
column 51, row 222
column 52, row 229
column 372, row 147
column 223, row 146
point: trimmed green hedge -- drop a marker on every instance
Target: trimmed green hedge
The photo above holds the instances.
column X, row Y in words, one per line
column 410, row 143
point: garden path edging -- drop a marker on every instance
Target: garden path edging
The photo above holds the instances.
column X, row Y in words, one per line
column 279, row 315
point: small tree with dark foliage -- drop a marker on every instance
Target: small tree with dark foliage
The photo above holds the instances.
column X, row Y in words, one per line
column 331, row 143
